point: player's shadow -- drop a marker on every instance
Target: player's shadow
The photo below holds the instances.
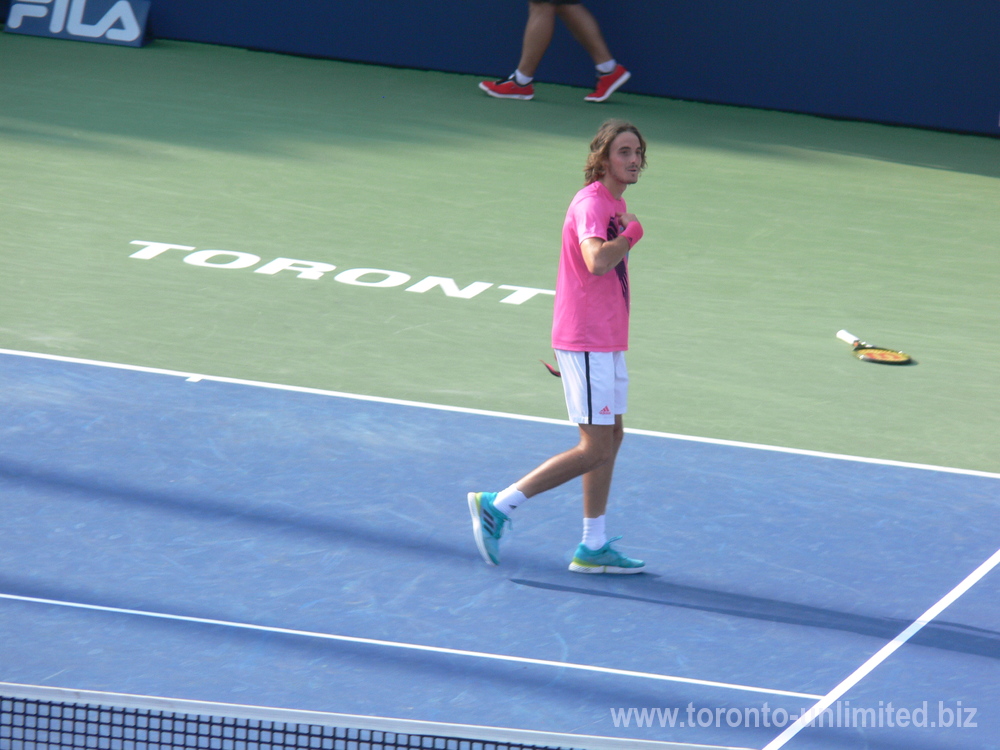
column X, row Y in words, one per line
column 942, row 635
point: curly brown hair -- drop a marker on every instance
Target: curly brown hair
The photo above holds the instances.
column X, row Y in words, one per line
column 600, row 148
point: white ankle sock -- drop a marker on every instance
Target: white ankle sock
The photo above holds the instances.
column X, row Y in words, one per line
column 508, row 499
column 594, row 536
column 522, row 80
column 607, row 67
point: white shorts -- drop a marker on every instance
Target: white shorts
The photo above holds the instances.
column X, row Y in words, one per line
column 595, row 384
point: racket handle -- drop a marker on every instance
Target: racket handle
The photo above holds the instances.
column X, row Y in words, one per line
column 850, row 338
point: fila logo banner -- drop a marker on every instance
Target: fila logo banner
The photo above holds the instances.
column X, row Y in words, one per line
column 108, row 21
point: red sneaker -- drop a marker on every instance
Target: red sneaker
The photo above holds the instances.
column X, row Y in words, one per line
column 508, row 89
column 607, row 85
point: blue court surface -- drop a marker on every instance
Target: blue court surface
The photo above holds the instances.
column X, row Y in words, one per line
column 167, row 534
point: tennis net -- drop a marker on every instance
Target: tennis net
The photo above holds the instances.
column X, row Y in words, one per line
column 37, row 718
column 34, row 717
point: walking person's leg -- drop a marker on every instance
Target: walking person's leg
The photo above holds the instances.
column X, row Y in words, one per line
column 586, row 377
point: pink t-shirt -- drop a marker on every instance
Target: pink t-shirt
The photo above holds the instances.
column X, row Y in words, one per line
column 591, row 312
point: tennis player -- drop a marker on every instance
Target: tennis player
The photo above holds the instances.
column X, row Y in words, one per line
column 590, row 337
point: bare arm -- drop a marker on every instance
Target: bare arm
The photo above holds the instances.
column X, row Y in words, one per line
column 603, row 255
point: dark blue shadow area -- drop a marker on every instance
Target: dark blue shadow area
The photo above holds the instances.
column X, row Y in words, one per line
column 268, row 518
column 326, row 514
column 945, row 635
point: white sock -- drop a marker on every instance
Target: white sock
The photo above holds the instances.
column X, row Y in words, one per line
column 522, row 80
column 594, row 536
column 607, row 67
column 508, row 499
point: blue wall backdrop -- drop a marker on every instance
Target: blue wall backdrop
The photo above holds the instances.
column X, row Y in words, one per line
column 925, row 63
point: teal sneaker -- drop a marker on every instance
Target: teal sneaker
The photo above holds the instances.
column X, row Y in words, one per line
column 604, row 560
column 487, row 525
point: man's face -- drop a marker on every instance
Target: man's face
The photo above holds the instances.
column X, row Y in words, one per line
column 625, row 158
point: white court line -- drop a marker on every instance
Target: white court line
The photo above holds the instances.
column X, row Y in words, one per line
column 883, row 653
column 409, row 646
column 198, row 377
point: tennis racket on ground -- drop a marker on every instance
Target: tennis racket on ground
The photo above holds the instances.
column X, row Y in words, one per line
column 877, row 354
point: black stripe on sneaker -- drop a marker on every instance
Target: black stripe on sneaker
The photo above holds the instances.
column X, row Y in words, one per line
column 487, row 521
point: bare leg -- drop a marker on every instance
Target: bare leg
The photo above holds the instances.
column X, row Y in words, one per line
column 593, row 458
column 585, row 30
column 597, row 482
column 537, row 36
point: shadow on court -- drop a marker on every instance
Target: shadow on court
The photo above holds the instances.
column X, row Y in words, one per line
column 232, row 99
column 942, row 635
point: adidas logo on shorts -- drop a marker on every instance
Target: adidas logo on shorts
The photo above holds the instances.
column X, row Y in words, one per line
column 605, row 411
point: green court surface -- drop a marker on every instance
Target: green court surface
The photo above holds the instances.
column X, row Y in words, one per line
column 766, row 233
